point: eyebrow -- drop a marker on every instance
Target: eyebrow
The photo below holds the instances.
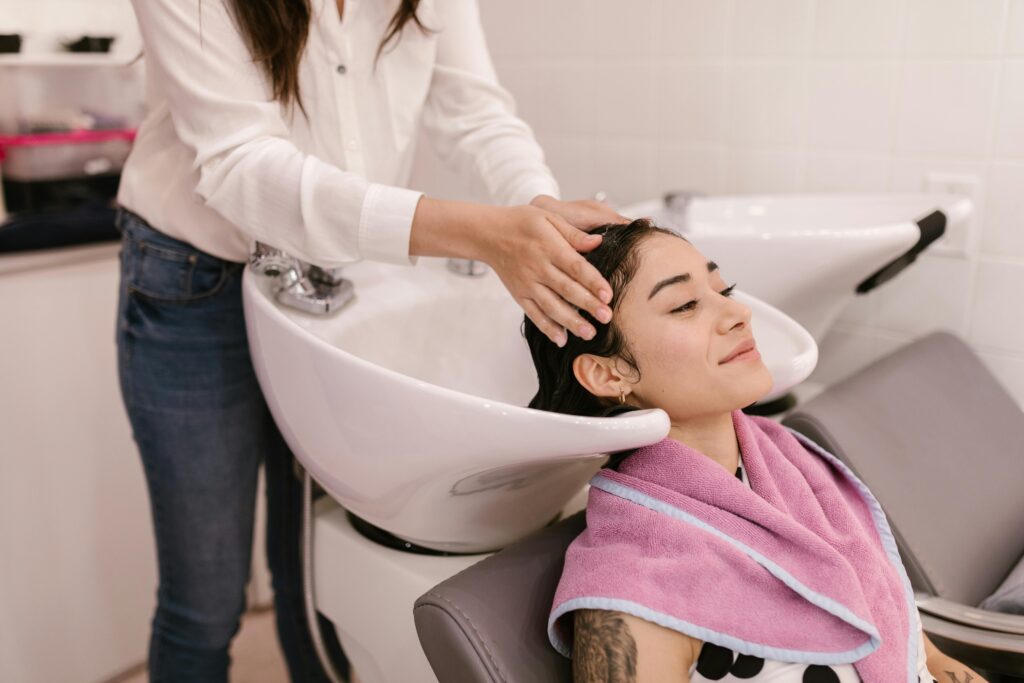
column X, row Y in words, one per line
column 676, row 279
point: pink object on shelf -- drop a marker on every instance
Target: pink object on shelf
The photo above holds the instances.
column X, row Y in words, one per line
column 64, row 138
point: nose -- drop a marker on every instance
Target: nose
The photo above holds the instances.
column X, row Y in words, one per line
column 735, row 316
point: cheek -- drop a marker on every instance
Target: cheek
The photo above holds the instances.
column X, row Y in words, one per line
column 668, row 357
column 685, row 352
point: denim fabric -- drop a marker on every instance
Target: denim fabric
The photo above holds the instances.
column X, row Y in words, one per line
column 203, row 429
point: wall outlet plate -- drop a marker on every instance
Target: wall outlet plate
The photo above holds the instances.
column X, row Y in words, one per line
column 959, row 239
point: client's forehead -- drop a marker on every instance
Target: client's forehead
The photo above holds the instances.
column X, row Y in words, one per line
column 664, row 256
column 659, row 257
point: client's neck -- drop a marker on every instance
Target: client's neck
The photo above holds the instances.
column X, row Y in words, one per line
column 714, row 436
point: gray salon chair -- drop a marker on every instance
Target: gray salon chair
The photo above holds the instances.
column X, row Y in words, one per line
column 941, row 445
column 928, row 428
column 489, row 622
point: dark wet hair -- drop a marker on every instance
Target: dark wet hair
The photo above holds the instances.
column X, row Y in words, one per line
column 617, row 259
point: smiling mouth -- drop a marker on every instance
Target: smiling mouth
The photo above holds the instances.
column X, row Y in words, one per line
column 745, row 351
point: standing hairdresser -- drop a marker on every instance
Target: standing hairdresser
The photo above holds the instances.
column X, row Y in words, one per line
column 293, row 122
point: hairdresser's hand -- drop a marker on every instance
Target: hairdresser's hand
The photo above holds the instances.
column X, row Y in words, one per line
column 536, row 253
column 585, row 214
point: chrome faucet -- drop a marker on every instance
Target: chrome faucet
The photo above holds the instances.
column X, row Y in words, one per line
column 300, row 285
column 677, row 205
column 468, row 267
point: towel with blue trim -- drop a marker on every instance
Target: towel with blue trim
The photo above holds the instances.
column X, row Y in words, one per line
column 801, row 566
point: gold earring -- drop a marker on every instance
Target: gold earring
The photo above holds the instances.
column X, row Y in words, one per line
column 622, row 397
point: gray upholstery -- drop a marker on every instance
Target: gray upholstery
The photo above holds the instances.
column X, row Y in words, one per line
column 488, row 622
column 941, row 445
column 1009, row 597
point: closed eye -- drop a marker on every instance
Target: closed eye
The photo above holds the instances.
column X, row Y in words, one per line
column 691, row 305
column 688, row 306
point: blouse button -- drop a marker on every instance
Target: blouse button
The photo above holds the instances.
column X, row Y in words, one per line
column 341, row 69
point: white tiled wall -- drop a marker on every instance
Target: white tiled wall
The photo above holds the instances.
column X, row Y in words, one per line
column 71, row 16
column 736, row 96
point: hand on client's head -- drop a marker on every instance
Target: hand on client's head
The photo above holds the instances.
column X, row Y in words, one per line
column 536, row 254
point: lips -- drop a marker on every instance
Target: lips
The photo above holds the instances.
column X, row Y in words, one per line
column 742, row 351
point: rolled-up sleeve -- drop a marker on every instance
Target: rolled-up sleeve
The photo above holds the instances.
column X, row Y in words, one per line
column 470, row 119
column 249, row 170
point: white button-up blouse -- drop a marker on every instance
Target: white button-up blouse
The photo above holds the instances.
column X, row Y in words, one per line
column 218, row 163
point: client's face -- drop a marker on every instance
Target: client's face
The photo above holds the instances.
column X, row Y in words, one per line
column 692, row 343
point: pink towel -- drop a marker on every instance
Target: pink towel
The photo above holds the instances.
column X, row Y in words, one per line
column 799, row 567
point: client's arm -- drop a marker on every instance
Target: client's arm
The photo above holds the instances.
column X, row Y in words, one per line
column 945, row 669
column 612, row 647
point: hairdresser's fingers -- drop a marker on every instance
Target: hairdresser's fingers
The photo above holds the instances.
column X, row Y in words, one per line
column 578, row 295
column 585, row 214
column 577, row 267
column 580, row 240
column 550, row 329
column 593, row 213
column 556, row 308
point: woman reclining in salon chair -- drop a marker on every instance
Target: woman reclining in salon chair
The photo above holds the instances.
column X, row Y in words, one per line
column 734, row 549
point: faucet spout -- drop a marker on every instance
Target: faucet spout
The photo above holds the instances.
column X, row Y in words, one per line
column 467, row 267
column 677, row 205
column 300, row 285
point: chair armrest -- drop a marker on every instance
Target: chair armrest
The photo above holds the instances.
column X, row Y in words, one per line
column 950, row 611
column 998, row 653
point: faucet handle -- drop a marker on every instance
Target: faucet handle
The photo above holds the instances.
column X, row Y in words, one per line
column 679, row 199
column 300, row 285
column 324, row 277
column 468, row 267
column 677, row 205
column 267, row 260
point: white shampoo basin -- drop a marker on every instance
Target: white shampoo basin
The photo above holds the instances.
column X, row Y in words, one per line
column 407, row 405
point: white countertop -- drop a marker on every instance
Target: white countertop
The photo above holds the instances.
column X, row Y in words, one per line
column 21, row 261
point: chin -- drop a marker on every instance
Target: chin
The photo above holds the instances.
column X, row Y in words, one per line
column 755, row 386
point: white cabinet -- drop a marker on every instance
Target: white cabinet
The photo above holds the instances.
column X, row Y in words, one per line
column 77, row 564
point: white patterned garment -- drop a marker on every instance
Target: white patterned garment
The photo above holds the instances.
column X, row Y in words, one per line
column 722, row 664
column 717, row 663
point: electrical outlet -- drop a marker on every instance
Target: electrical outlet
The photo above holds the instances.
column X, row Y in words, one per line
column 959, row 237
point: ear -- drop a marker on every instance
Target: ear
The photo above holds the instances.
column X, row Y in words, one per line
column 598, row 375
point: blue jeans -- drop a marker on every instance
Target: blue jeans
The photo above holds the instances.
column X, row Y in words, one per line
column 203, row 429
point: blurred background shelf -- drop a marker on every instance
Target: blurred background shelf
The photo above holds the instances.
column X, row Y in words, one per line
column 67, row 59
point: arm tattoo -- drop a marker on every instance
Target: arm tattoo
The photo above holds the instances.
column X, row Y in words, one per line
column 953, row 677
column 603, row 648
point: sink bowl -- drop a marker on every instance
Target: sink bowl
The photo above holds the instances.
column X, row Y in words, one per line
column 407, row 405
column 809, row 254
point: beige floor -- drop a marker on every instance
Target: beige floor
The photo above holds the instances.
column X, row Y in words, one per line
column 255, row 655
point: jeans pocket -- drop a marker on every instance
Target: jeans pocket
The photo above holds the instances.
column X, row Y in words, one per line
column 172, row 274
